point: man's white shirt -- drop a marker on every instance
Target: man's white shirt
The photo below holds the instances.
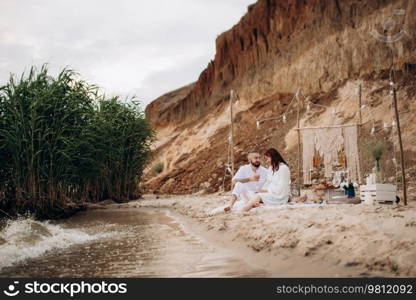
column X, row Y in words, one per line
column 246, row 171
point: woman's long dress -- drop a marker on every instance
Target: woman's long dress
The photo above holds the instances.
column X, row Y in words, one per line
column 277, row 185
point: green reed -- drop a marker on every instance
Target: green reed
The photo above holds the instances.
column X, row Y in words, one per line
column 61, row 141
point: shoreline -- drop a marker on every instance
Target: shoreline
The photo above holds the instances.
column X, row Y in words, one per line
column 342, row 240
column 286, row 241
column 276, row 264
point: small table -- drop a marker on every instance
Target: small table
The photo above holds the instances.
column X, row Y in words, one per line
column 324, row 192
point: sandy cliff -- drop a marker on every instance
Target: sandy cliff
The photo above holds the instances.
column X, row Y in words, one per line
column 326, row 49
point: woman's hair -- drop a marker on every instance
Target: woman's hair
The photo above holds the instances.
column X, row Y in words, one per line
column 276, row 158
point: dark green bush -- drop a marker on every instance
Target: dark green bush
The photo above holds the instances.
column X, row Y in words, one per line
column 158, row 168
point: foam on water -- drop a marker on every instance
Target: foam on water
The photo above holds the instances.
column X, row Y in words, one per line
column 27, row 238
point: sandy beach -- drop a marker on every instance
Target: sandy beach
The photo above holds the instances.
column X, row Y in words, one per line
column 305, row 240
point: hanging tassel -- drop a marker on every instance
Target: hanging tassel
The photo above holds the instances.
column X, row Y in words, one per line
column 391, row 93
column 385, row 126
column 373, row 130
column 258, row 124
column 308, row 107
column 394, row 161
column 229, row 139
column 393, row 124
column 334, row 113
column 284, row 118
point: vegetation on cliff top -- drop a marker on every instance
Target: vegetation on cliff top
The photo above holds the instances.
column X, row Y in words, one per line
column 62, row 143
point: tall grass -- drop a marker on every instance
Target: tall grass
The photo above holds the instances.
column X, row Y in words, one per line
column 61, row 142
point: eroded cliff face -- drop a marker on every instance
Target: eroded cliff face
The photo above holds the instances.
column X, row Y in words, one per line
column 277, row 48
column 282, row 46
column 162, row 111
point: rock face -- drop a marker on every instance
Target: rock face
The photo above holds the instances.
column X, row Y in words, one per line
column 277, row 48
column 282, row 46
column 164, row 109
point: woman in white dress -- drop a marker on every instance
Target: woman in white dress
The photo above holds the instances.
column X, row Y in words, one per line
column 276, row 189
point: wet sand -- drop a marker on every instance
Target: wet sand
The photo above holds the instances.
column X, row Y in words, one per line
column 138, row 243
column 343, row 240
column 175, row 237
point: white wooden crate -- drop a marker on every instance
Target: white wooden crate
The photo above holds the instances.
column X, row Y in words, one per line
column 372, row 193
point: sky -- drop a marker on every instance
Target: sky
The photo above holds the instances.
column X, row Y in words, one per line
column 127, row 47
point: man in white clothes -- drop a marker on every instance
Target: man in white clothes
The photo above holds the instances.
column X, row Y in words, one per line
column 249, row 178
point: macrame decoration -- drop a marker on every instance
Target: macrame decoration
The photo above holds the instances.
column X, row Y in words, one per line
column 335, row 145
column 328, row 143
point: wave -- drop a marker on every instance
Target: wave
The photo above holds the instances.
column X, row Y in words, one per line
column 25, row 238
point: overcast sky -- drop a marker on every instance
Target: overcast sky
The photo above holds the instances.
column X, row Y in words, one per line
column 127, row 47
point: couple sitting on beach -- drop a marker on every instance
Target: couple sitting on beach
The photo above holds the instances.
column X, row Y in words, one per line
column 255, row 185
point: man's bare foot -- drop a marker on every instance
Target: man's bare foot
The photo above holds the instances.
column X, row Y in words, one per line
column 257, row 204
